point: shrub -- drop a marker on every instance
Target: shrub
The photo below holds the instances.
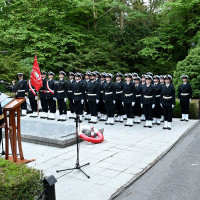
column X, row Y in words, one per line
column 19, row 182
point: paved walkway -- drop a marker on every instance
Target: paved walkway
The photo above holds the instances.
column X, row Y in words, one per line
column 114, row 163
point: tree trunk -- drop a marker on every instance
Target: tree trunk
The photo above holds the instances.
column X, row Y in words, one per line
column 94, row 15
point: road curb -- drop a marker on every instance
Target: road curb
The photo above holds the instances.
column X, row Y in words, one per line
column 148, row 167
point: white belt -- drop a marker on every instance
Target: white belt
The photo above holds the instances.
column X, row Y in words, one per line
column 138, row 95
column 30, row 89
column 119, row 92
column 77, row 93
column 107, row 93
column 148, row 97
column 102, row 92
column 70, row 91
column 60, row 91
column 92, row 95
column 158, row 95
column 184, row 94
column 128, row 95
column 20, row 90
column 164, row 97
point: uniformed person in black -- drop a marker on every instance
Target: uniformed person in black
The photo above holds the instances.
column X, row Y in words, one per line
column 78, row 95
column 162, row 82
column 148, row 101
column 185, row 96
column 143, row 82
column 101, row 104
column 109, row 98
column 70, row 94
column 51, row 100
column 43, row 98
column 61, row 96
column 167, row 101
column 32, row 95
column 2, row 122
column 157, row 109
column 129, row 99
column 93, row 97
column 138, row 99
column 119, row 94
column 21, row 88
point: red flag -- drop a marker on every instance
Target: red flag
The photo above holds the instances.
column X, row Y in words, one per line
column 36, row 78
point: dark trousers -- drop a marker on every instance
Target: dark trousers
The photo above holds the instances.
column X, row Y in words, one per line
column 184, row 106
column 51, row 104
column 33, row 103
column 71, row 105
column 109, row 108
column 93, row 108
column 157, row 111
column 129, row 110
column 167, row 111
column 119, row 108
column 87, row 109
column 101, row 107
column 24, row 105
column 78, row 107
column 148, row 112
column 0, row 135
column 137, row 110
column 44, row 105
column 62, row 106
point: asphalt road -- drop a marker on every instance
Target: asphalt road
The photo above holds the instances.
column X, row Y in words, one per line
column 175, row 177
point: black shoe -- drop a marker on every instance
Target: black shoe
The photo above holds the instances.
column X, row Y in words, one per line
column 186, row 120
column 130, row 125
column 168, row 128
column 145, row 126
column 94, row 122
column 90, row 121
column 182, row 120
column 126, row 125
column 138, row 122
column 149, row 126
column 111, row 124
column 165, row 128
column 158, row 123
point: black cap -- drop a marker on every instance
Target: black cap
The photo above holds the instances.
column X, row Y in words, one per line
column 128, row 75
column 137, row 78
column 119, row 75
column 109, row 75
column 93, row 74
column 78, row 74
column 156, row 77
column 149, row 77
column 43, row 73
column 51, row 73
column 62, row 72
column 71, row 74
column 20, row 74
column 88, row 73
column 103, row 74
column 184, row 76
column 168, row 77
column 149, row 73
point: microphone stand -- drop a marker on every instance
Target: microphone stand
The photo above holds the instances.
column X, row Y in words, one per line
column 77, row 166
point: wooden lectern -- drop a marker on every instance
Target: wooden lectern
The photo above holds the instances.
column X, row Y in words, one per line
column 13, row 131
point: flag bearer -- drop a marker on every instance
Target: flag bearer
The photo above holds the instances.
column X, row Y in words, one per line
column 51, row 100
column 157, row 109
column 148, row 101
column 167, row 101
column 78, row 95
column 109, row 98
column 128, row 98
column 32, row 95
column 93, row 97
column 61, row 96
column 119, row 94
column 185, row 96
column 43, row 99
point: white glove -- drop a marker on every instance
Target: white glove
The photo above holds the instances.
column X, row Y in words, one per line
column 122, row 103
column 82, row 101
column 114, row 101
column 141, row 105
column 26, row 97
column 65, row 100
column 54, row 99
column 190, row 100
column 172, row 105
column 97, row 101
column 73, row 100
column 153, row 105
column 133, row 103
column 179, row 100
column 161, row 104
column 104, row 101
column 36, row 98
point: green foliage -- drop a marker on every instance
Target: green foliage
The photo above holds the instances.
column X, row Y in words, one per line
column 191, row 67
column 19, row 182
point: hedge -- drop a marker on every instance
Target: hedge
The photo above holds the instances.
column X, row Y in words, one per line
column 18, row 181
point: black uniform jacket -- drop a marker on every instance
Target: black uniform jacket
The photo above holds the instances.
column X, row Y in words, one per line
column 78, row 90
column 70, row 88
column 61, row 89
column 138, row 94
column 43, row 89
column 109, row 91
column 119, row 90
column 1, row 116
column 21, row 88
column 185, row 91
column 52, row 87
column 93, row 90
column 101, row 90
column 157, row 89
column 128, row 93
column 31, row 94
column 148, row 94
column 168, row 95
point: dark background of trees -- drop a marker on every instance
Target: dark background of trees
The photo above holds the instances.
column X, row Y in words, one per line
column 103, row 35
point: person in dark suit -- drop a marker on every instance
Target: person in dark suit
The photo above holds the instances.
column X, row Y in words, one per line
column 61, row 96
column 51, row 100
column 119, row 94
column 185, row 97
column 109, row 98
column 43, row 98
column 167, row 101
column 148, row 100
column 128, row 98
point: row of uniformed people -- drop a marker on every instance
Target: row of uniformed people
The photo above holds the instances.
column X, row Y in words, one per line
column 134, row 97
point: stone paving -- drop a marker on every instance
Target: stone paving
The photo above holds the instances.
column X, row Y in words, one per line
column 122, row 157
